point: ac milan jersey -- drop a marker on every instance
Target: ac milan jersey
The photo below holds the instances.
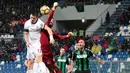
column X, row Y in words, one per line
column 34, row 30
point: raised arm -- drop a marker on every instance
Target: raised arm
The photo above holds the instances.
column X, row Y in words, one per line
column 51, row 13
column 50, row 34
column 56, row 35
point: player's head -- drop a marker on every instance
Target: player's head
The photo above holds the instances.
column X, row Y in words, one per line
column 76, row 46
column 81, row 43
column 34, row 17
column 62, row 51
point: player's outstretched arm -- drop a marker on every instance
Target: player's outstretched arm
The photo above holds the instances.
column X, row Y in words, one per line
column 96, row 58
column 72, row 66
column 56, row 35
column 55, row 5
column 68, row 66
column 50, row 34
column 99, row 60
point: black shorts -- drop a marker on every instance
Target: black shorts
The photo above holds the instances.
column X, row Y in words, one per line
column 86, row 71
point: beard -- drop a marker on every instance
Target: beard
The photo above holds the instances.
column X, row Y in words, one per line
column 50, row 25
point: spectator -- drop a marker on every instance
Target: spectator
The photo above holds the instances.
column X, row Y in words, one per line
column 121, row 18
column 12, row 57
column 126, row 20
column 19, row 46
column 66, row 47
column 2, row 41
column 6, row 56
column 121, row 39
column 81, row 33
column 105, row 45
column 122, row 29
column 126, row 31
column 107, row 17
column 1, row 53
column 75, row 33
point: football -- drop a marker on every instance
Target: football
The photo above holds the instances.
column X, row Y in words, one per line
column 44, row 10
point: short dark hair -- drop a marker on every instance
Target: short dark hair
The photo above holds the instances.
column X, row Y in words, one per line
column 80, row 38
column 34, row 13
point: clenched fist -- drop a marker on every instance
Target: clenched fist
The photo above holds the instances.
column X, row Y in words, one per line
column 70, row 34
column 55, row 4
column 52, row 41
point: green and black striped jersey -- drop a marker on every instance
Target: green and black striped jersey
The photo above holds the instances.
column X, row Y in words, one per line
column 62, row 61
column 81, row 59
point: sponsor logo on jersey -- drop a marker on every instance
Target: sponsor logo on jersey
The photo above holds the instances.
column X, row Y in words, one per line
column 34, row 29
column 81, row 56
column 61, row 60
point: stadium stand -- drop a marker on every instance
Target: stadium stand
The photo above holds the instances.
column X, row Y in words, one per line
column 117, row 20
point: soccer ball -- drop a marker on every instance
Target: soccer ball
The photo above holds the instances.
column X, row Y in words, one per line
column 44, row 10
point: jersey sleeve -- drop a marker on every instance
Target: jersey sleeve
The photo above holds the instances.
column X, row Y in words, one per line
column 90, row 54
column 42, row 24
column 50, row 17
column 67, row 60
column 74, row 56
column 56, row 35
column 26, row 27
column 56, row 57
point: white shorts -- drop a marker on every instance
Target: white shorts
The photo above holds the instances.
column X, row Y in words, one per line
column 29, row 54
column 33, row 50
column 35, row 67
column 36, row 48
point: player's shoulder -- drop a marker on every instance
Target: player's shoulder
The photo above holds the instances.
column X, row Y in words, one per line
column 40, row 21
column 75, row 51
column 57, row 55
column 28, row 22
